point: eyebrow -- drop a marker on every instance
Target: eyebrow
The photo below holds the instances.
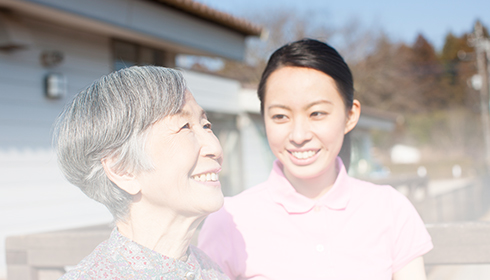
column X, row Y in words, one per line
column 317, row 102
column 185, row 113
column 203, row 114
column 279, row 106
column 306, row 107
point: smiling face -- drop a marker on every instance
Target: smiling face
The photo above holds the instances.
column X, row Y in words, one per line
column 186, row 156
column 306, row 119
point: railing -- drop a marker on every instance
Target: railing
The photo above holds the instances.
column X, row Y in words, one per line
column 45, row 256
column 459, row 243
column 466, row 203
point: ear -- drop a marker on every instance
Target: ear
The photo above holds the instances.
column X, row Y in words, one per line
column 124, row 180
column 353, row 116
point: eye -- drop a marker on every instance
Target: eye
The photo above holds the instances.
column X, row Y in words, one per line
column 317, row 114
column 279, row 117
column 207, row 125
column 186, row 126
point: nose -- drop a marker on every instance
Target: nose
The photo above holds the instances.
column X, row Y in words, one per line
column 210, row 147
column 300, row 132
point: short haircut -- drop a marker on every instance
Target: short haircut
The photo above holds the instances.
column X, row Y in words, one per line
column 110, row 119
column 310, row 53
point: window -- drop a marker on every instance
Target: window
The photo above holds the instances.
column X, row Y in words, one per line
column 128, row 54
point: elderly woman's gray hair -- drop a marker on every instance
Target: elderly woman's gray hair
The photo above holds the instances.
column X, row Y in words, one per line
column 110, row 119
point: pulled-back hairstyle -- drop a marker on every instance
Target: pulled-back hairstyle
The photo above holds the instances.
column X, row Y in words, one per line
column 310, row 53
column 110, row 119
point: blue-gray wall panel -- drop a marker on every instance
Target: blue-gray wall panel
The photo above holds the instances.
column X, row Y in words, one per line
column 159, row 21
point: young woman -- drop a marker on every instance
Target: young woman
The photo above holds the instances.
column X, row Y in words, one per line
column 310, row 220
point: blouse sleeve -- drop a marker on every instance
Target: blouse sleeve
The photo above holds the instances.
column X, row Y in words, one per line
column 411, row 239
column 218, row 239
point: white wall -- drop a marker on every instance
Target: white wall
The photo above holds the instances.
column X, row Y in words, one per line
column 214, row 93
column 257, row 156
column 34, row 197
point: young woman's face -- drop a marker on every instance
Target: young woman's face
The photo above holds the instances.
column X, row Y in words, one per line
column 305, row 119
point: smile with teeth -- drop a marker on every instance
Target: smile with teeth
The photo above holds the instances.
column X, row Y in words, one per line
column 303, row 155
column 208, row 177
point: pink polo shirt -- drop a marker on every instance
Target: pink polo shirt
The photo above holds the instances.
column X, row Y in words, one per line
column 357, row 230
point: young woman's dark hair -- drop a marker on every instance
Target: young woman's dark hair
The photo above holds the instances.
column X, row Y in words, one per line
column 313, row 54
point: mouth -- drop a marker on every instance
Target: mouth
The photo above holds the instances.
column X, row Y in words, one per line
column 303, row 154
column 206, row 177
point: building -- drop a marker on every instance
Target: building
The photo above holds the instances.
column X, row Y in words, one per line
column 52, row 49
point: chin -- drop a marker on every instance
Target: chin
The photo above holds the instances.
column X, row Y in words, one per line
column 213, row 205
column 219, row 203
column 307, row 176
column 305, row 172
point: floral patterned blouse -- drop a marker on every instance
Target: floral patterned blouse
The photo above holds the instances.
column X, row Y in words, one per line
column 121, row 258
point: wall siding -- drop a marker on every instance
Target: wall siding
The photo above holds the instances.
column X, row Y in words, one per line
column 214, row 93
column 34, row 196
column 257, row 156
column 148, row 18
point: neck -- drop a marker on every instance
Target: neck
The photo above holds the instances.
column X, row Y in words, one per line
column 161, row 230
column 314, row 187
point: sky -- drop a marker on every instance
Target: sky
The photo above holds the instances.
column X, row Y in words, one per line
column 401, row 20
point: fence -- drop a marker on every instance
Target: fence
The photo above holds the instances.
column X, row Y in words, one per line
column 45, row 256
column 466, row 203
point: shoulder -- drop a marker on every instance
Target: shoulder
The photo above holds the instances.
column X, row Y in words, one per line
column 382, row 199
column 257, row 194
column 76, row 274
column 208, row 267
column 363, row 188
column 238, row 204
column 204, row 260
column 385, row 201
column 257, row 191
column 237, row 210
column 93, row 266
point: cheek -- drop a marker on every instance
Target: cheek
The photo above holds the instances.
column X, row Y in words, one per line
column 176, row 155
column 330, row 133
column 276, row 134
column 186, row 154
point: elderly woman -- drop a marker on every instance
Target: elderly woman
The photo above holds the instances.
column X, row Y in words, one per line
column 137, row 142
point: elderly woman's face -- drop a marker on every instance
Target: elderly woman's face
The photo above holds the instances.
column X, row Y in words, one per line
column 187, row 157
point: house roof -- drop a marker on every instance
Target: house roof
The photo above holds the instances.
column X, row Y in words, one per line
column 213, row 32
column 207, row 13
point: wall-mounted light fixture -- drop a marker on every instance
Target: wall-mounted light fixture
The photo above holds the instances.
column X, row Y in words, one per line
column 51, row 58
column 55, row 85
column 14, row 35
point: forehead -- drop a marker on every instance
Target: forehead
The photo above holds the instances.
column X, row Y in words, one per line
column 299, row 85
column 190, row 112
column 191, row 108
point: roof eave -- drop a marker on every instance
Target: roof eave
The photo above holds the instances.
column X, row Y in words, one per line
column 203, row 11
